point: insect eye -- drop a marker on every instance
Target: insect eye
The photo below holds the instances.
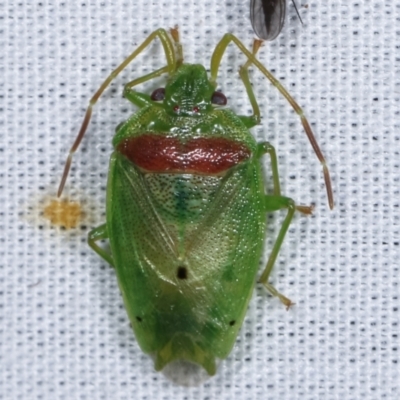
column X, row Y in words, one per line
column 219, row 99
column 158, row 94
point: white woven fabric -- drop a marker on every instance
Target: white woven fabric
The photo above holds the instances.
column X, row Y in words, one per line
column 64, row 333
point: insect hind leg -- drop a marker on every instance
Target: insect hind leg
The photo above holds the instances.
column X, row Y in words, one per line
column 274, row 203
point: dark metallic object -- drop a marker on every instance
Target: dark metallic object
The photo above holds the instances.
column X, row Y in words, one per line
column 268, row 17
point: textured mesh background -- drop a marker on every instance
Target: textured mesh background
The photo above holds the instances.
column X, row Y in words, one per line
column 64, row 333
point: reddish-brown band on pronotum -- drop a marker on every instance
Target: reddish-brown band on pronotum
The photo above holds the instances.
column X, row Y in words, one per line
column 156, row 153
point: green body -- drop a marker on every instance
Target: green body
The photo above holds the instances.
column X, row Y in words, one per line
column 211, row 225
column 186, row 244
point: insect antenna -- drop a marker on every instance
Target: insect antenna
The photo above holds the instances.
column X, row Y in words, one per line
column 297, row 11
column 170, row 67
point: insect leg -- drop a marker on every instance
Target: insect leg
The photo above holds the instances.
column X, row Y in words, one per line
column 275, row 203
column 285, row 300
column 169, row 50
column 216, row 61
column 179, row 50
column 137, row 98
column 96, row 234
column 264, row 148
column 244, row 75
column 142, row 99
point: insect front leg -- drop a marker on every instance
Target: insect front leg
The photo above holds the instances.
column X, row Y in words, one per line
column 142, row 99
column 100, row 233
column 254, row 119
column 137, row 98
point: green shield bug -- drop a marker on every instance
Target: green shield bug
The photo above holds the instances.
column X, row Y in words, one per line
column 186, row 206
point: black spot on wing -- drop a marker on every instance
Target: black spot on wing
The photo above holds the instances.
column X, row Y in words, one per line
column 181, row 272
